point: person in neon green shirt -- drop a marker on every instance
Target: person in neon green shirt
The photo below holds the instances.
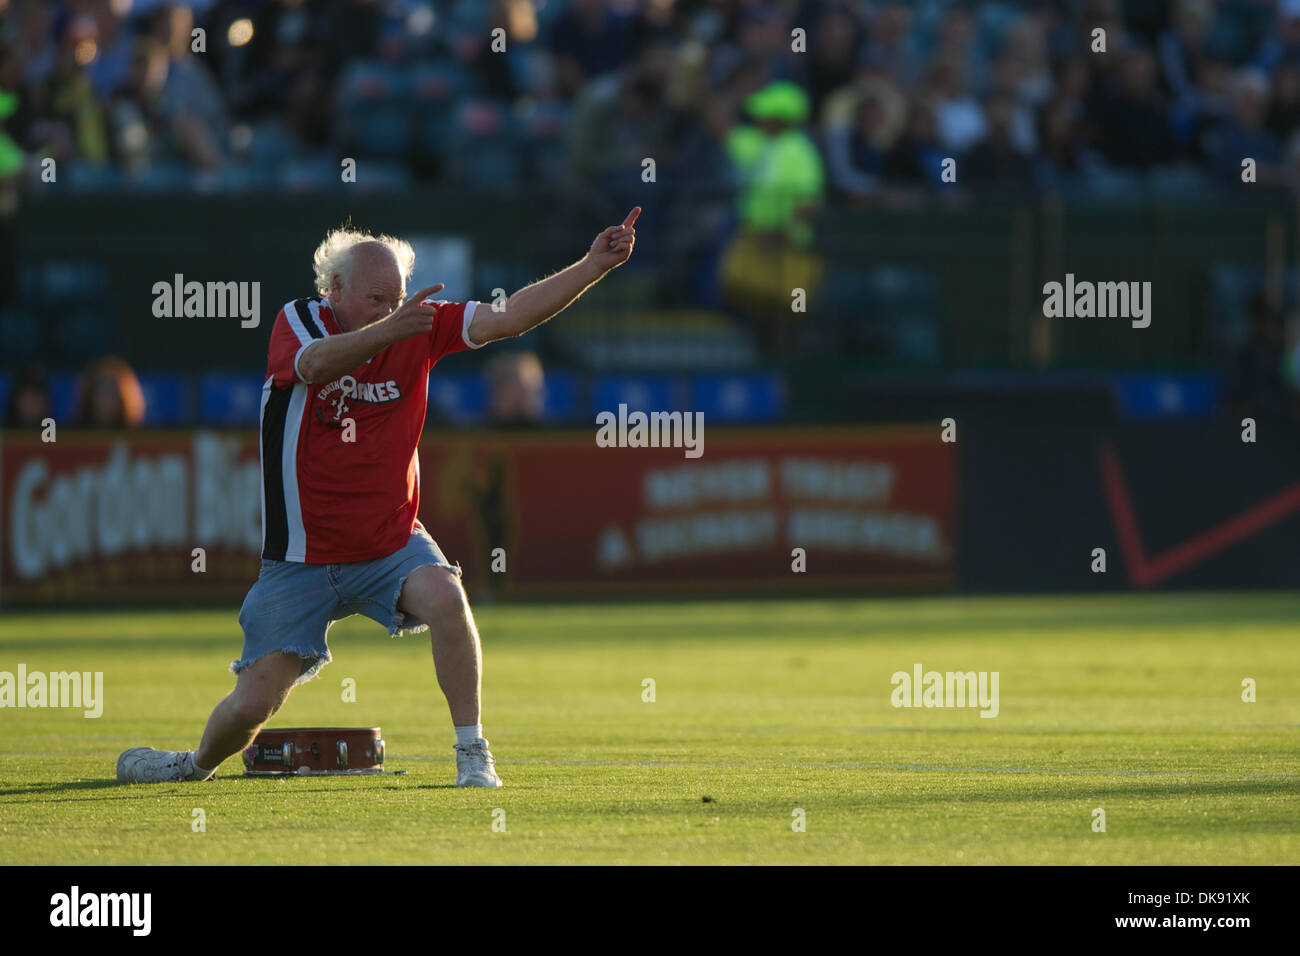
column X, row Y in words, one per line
column 779, row 167
column 11, row 155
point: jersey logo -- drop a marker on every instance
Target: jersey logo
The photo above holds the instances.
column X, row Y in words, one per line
column 349, row 389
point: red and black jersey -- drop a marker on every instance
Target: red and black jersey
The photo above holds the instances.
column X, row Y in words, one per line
column 327, row 500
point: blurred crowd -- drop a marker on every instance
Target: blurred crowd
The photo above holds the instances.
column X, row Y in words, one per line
column 749, row 116
column 879, row 92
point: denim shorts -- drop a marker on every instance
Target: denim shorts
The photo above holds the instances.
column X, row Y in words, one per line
column 292, row 605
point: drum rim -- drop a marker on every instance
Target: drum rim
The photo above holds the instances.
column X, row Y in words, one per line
column 317, row 730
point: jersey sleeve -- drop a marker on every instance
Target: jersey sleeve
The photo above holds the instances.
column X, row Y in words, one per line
column 451, row 328
column 282, row 354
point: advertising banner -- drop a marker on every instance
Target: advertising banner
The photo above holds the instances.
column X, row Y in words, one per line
column 120, row 518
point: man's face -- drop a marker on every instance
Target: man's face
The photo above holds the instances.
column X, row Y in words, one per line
column 373, row 290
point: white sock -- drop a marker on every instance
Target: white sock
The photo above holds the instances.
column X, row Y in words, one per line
column 466, row 734
column 196, row 772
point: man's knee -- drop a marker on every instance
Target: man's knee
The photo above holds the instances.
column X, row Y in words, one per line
column 253, row 711
column 433, row 594
column 263, row 688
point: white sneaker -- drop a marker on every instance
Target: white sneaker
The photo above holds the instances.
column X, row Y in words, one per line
column 474, row 766
column 146, row 765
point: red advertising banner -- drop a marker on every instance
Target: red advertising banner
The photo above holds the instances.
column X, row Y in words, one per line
column 872, row 509
column 116, row 518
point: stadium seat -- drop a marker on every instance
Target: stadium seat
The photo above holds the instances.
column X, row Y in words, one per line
column 308, row 175
column 438, row 84
column 378, row 176
column 373, row 109
column 63, row 395
column 458, row 397
column 84, row 177
column 1168, row 396
column 377, row 130
column 485, row 156
column 738, row 398
column 541, row 133
column 369, row 81
column 163, row 177
column 230, row 399
column 641, row 393
column 166, row 399
column 561, row 397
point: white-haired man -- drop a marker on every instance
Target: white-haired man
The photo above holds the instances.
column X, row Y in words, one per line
column 342, row 411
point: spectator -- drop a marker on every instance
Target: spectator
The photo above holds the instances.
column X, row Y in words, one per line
column 760, row 47
column 781, row 181
column 958, row 116
column 109, row 395
column 957, row 50
column 620, row 120
column 1062, row 156
column 778, row 166
column 1281, row 45
column 190, row 102
column 590, row 40
column 518, row 390
column 114, row 41
column 29, row 401
column 1284, row 107
column 701, row 209
column 856, row 146
column 917, row 158
column 1244, row 135
column 67, row 99
column 996, row 162
column 11, row 174
column 1183, row 50
column 889, row 49
column 1132, row 120
column 835, row 41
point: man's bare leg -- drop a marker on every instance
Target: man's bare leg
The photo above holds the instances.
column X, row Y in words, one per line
column 435, row 597
column 260, row 690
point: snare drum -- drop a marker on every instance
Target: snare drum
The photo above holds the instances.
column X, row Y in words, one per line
column 321, row 750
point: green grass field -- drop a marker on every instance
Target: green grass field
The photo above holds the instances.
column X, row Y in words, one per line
column 1127, row 703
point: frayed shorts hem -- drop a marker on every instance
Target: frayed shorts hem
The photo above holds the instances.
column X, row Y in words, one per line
column 403, row 623
column 313, row 661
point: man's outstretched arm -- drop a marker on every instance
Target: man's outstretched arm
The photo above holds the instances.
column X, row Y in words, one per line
column 534, row 304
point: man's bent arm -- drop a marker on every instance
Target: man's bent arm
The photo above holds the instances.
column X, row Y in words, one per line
column 534, row 304
column 326, row 359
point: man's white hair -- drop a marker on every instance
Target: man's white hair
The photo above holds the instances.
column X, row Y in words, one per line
column 334, row 255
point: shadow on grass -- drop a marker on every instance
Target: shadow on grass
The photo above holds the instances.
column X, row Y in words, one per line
column 52, row 791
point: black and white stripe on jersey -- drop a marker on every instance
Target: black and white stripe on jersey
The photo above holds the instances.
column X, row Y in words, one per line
column 304, row 318
column 283, row 535
column 275, row 518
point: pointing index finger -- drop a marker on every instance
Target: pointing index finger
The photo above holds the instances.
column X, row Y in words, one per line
column 631, row 217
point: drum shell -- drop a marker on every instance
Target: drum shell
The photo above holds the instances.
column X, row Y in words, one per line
column 316, row 748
